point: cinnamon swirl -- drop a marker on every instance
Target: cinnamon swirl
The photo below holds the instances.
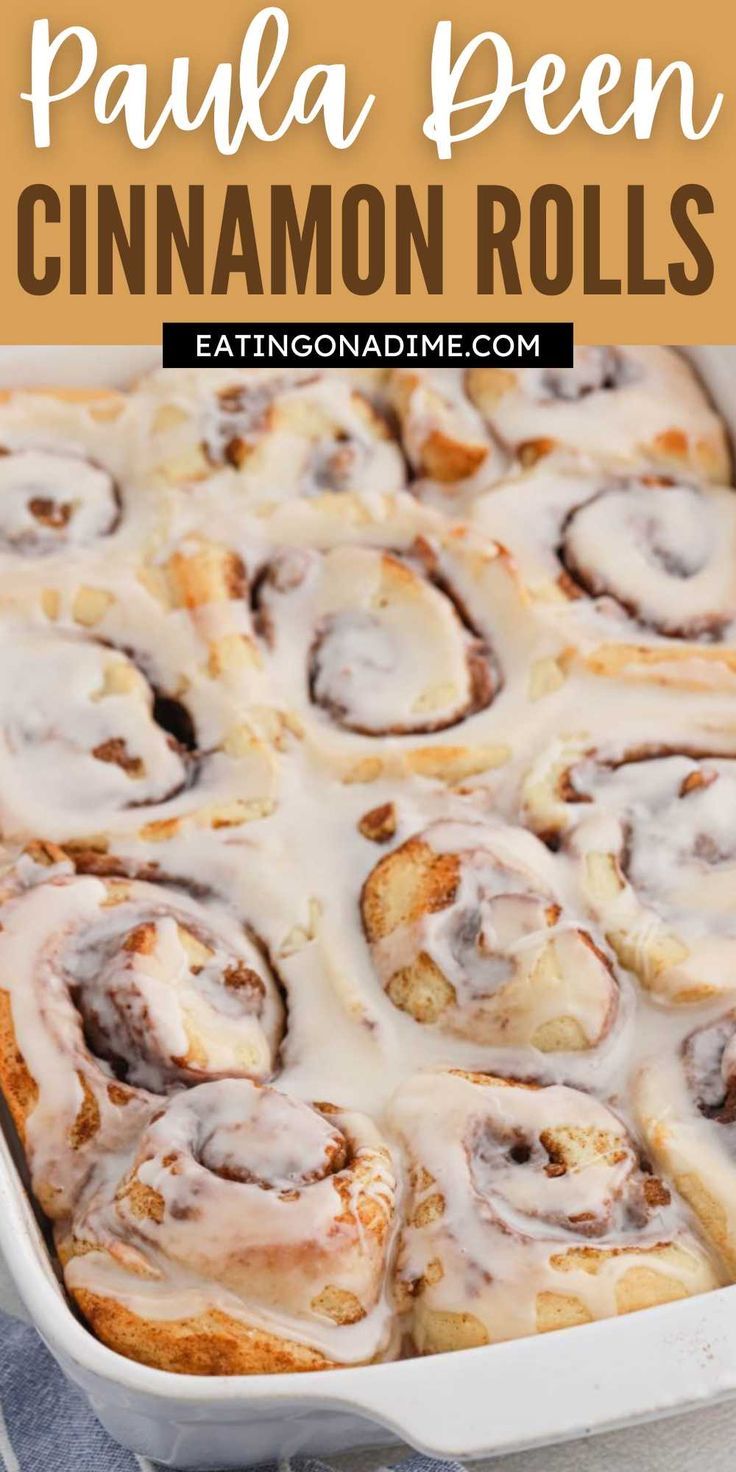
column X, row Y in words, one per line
column 127, row 702
column 636, row 569
column 114, row 992
column 531, row 1210
column 651, row 830
column 369, row 642
column 68, row 463
column 70, row 705
column 287, row 1208
column 50, row 501
column 467, row 933
column 390, row 652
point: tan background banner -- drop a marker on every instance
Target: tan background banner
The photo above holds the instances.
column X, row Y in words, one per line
column 619, row 228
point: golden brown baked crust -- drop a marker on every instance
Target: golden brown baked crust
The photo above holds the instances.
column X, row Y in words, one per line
column 211, row 1344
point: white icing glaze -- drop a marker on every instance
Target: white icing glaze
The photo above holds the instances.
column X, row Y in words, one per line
column 521, row 1192
column 685, row 1106
column 268, row 1197
column 519, row 967
column 339, row 648
column 653, row 834
column 679, row 572
column 48, row 499
column 78, row 732
column 383, row 649
column 624, row 403
column 613, row 557
column 443, row 435
column 270, row 436
column 119, row 982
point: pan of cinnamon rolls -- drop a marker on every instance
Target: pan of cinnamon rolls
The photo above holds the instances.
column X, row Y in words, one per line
column 368, row 841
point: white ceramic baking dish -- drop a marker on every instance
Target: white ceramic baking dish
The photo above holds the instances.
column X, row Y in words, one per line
column 466, row 1405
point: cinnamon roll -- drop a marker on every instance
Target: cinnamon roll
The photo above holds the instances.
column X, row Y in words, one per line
column 49, row 501
column 129, row 702
column 640, row 404
column 274, row 435
column 467, row 934
column 250, row 1234
column 112, row 993
column 387, row 650
column 67, row 461
column 367, row 642
column 637, row 569
column 687, row 1108
column 531, row 1210
column 79, row 736
column 652, row 831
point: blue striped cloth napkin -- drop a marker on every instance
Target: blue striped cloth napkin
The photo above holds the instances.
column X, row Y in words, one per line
column 46, row 1424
